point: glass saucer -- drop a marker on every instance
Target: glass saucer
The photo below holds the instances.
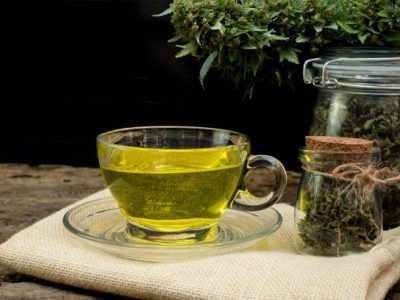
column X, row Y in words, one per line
column 101, row 224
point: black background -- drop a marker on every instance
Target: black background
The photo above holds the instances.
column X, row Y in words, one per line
column 77, row 68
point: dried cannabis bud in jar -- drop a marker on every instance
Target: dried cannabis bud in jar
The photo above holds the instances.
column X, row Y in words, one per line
column 337, row 210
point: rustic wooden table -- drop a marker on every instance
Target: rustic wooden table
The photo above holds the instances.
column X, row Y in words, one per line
column 28, row 194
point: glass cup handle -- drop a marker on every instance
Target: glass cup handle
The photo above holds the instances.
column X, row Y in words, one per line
column 259, row 169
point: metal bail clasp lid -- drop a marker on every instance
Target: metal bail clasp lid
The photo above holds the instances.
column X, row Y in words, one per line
column 326, row 80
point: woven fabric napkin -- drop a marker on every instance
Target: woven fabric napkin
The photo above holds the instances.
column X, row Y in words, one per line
column 269, row 270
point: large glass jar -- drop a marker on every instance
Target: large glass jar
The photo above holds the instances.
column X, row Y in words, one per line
column 335, row 214
column 359, row 96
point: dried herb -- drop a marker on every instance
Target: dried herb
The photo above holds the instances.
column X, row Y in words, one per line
column 336, row 220
column 367, row 117
column 253, row 40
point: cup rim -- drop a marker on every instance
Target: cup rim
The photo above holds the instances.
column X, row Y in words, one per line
column 100, row 137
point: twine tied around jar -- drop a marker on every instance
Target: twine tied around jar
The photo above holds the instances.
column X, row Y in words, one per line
column 358, row 176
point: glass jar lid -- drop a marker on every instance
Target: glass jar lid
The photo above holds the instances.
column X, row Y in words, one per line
column 355, row 69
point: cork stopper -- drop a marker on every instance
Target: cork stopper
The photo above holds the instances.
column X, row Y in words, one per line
column 338, row 144
column 341, row 149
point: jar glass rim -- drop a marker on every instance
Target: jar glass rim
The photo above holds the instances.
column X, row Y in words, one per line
column 308, row 155
column 356, row 60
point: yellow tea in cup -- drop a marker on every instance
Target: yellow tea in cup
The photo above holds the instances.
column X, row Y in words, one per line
column 178, row 181
column 175, row 195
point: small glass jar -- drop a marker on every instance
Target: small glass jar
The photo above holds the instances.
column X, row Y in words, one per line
column 359, row 96
column 334, row 214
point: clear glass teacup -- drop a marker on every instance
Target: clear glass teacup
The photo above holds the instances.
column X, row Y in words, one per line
column 173, row 183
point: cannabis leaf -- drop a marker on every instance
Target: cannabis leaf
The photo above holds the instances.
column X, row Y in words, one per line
column 288, row 54
column 347, row 28
column 168, row 11
column 206, row 66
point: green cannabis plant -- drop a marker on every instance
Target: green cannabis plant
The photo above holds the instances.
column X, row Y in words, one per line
column 249, row 41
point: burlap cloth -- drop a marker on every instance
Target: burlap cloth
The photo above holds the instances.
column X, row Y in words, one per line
column 270, row 270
